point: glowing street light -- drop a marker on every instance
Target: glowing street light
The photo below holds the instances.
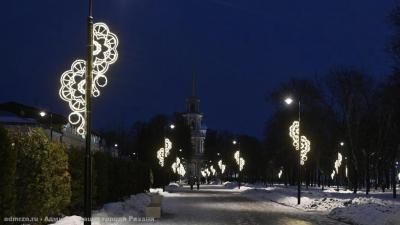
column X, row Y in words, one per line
column 289, row 101
column 300, row 147
column 42, row 113
column 342, row 143
column 172, row 126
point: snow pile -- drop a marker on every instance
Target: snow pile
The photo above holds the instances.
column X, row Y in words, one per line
column 230, row 185
column 343, row 205
column 172, row 187
column 368, row 211
column 134, row 206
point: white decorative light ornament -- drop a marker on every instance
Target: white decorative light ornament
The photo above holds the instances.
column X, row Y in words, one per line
column 221, row 166
column 164, row 152
column 338, row 162
column 178, row 167
column 280, row 174
column 239, row 160
column 213, row 171
column 305, row 144
column 73, row 81
column 333, row 174
column 203, row 173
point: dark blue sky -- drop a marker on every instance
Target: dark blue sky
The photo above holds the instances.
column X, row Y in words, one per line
column 240, row 49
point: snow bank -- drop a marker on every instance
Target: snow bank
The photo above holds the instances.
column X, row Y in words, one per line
column 230, row 185
column 367, row 211
column 134, row 206
column 343, row 205
column 172, row 187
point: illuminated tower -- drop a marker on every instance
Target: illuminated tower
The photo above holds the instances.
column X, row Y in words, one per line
column 198, row 131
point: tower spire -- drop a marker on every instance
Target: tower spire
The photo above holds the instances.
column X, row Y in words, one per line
column 193, row 83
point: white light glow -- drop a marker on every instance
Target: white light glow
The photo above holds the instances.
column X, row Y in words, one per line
column 346, row 172
column 221, row 166
column 338, row 162
column 333, row 174
column 239, row 160
column 42, row 114
column 73, row 81
column 164, row 152
column 398, row 175
column 288, row 101
column 178, row 167
column 305, row 145
column 280, row 174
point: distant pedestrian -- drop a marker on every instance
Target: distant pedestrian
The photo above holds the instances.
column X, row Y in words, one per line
column 191, row 182
column 198, row 184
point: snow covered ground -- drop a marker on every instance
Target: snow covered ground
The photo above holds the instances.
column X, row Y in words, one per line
column 252, row 204
column 378, row 208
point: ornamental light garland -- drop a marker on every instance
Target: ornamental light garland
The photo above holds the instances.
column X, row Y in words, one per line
column 280, row 174
column 338, row 162
column 305, row 144
column 333, row 174
column 164, row 152
column 221, row 166
column 239, row 160
column 73, row 81
column 213, row 171
column 178, row 167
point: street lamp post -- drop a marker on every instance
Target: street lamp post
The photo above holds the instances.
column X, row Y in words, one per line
column 88, row 118
column 171, row 126
column 234, row 142
column 44, row 114
column 289, row 101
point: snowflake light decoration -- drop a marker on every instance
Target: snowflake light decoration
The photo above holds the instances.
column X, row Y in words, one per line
column 73, row 81
column 239, row 160
column 221, row 166
column 338, row 162
column 164, row 152
column 203, row 173
column 305, row 144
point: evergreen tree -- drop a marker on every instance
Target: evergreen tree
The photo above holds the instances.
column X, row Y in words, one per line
column 8, row 156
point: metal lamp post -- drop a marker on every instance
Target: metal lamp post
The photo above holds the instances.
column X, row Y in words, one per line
column 171, row 126
column 289, row 101
column 234, row 142
column 88, row 119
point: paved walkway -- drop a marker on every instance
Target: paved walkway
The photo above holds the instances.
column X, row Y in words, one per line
column 215, row 205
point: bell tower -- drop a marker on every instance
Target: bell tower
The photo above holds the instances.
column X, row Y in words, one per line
column 193, row 119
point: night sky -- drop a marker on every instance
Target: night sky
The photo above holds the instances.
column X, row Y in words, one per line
column 240, row 50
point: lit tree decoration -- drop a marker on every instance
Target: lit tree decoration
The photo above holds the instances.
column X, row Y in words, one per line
column 280, row 174
column 164, row 152
column 203, row 173
column 305, row 145
column 73, row 80
column 207, row 172
column 333, row 174
column 221, row 166
column 240, row 161
column 213, row 171
column 338, row 162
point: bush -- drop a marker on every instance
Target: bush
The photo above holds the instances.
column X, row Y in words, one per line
column 8, row 162
column 42, row 177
